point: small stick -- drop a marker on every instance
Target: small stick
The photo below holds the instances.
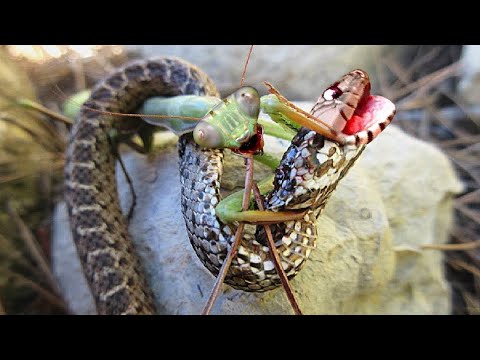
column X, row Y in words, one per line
column 245, row 66
column 52, row 298
column 36, row 137
column 33, row 247
column 116, row 153
column 428, row 81
column 276, row 258
column 236, row 241
column 450, row 247
column 29, row 104
column 460, row 264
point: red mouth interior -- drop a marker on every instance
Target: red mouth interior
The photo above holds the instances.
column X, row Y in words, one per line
column 254, row 145
column 371, row 109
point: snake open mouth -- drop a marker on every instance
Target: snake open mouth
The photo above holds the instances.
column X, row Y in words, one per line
column 348, row 108
column 372, row 110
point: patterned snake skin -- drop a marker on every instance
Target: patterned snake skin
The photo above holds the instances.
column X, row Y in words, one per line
column 99, row 229
column 308, row 174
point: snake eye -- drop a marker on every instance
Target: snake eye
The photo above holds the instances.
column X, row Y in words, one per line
column 248, row 100
column 333, row 92
column 207, row 136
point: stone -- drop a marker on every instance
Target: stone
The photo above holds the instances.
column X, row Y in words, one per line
column 285, row 66
column 299, row 71
column 368, row 260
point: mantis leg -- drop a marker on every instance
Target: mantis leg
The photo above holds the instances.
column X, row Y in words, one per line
column 113, row 139
column 230, row 209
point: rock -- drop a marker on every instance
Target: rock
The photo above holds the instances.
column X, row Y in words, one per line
column 368, row 259
column 283, row 66
column 469, row 85
column 299, row 71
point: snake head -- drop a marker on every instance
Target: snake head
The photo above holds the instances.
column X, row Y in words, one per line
column 352, row 111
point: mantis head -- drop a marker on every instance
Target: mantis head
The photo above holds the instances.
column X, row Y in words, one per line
column 232, row 123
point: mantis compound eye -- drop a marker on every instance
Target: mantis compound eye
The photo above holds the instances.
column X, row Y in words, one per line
column 207, row 136
column 248, row 100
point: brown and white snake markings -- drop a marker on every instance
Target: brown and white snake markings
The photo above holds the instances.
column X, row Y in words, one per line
column 111, row 266
column 309, row 172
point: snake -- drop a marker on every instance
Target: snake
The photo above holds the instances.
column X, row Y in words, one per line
column 309, row 172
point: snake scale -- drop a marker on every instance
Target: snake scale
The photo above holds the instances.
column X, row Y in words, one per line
column 309, row 172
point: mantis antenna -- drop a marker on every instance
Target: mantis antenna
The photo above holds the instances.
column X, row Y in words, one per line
column 245, row 66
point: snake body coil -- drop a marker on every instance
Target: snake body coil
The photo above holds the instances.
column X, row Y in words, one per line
column 308, row 174
column 99, row 229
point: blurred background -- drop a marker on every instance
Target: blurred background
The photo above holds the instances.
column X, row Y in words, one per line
column 436, row 89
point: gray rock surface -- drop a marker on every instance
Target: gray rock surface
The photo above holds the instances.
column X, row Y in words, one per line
column 298, row 71
column 397, row 197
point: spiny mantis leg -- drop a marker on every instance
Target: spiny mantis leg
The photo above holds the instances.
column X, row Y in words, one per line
column 275, row 257
column 113, row 141
column 229, row 209
column 236, row 241
column 249, row 184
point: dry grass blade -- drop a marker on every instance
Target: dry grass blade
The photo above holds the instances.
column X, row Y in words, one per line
column 403, row 76
column 473, row 215
column 460, row 141
column 79, row 75
column 32, row 105
column 418, row 62
column 28, row 105
column 460, row 264
column 33, row 247
column 471, row 114
column 471, row 196
column 57, row 165
column 444, row 121
column 13, row 254
column 465, row 168
column 473, row 303
column 382, row 81
column 47, row 145
column 452, row 247
column 47, row 295
column 428, row 81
